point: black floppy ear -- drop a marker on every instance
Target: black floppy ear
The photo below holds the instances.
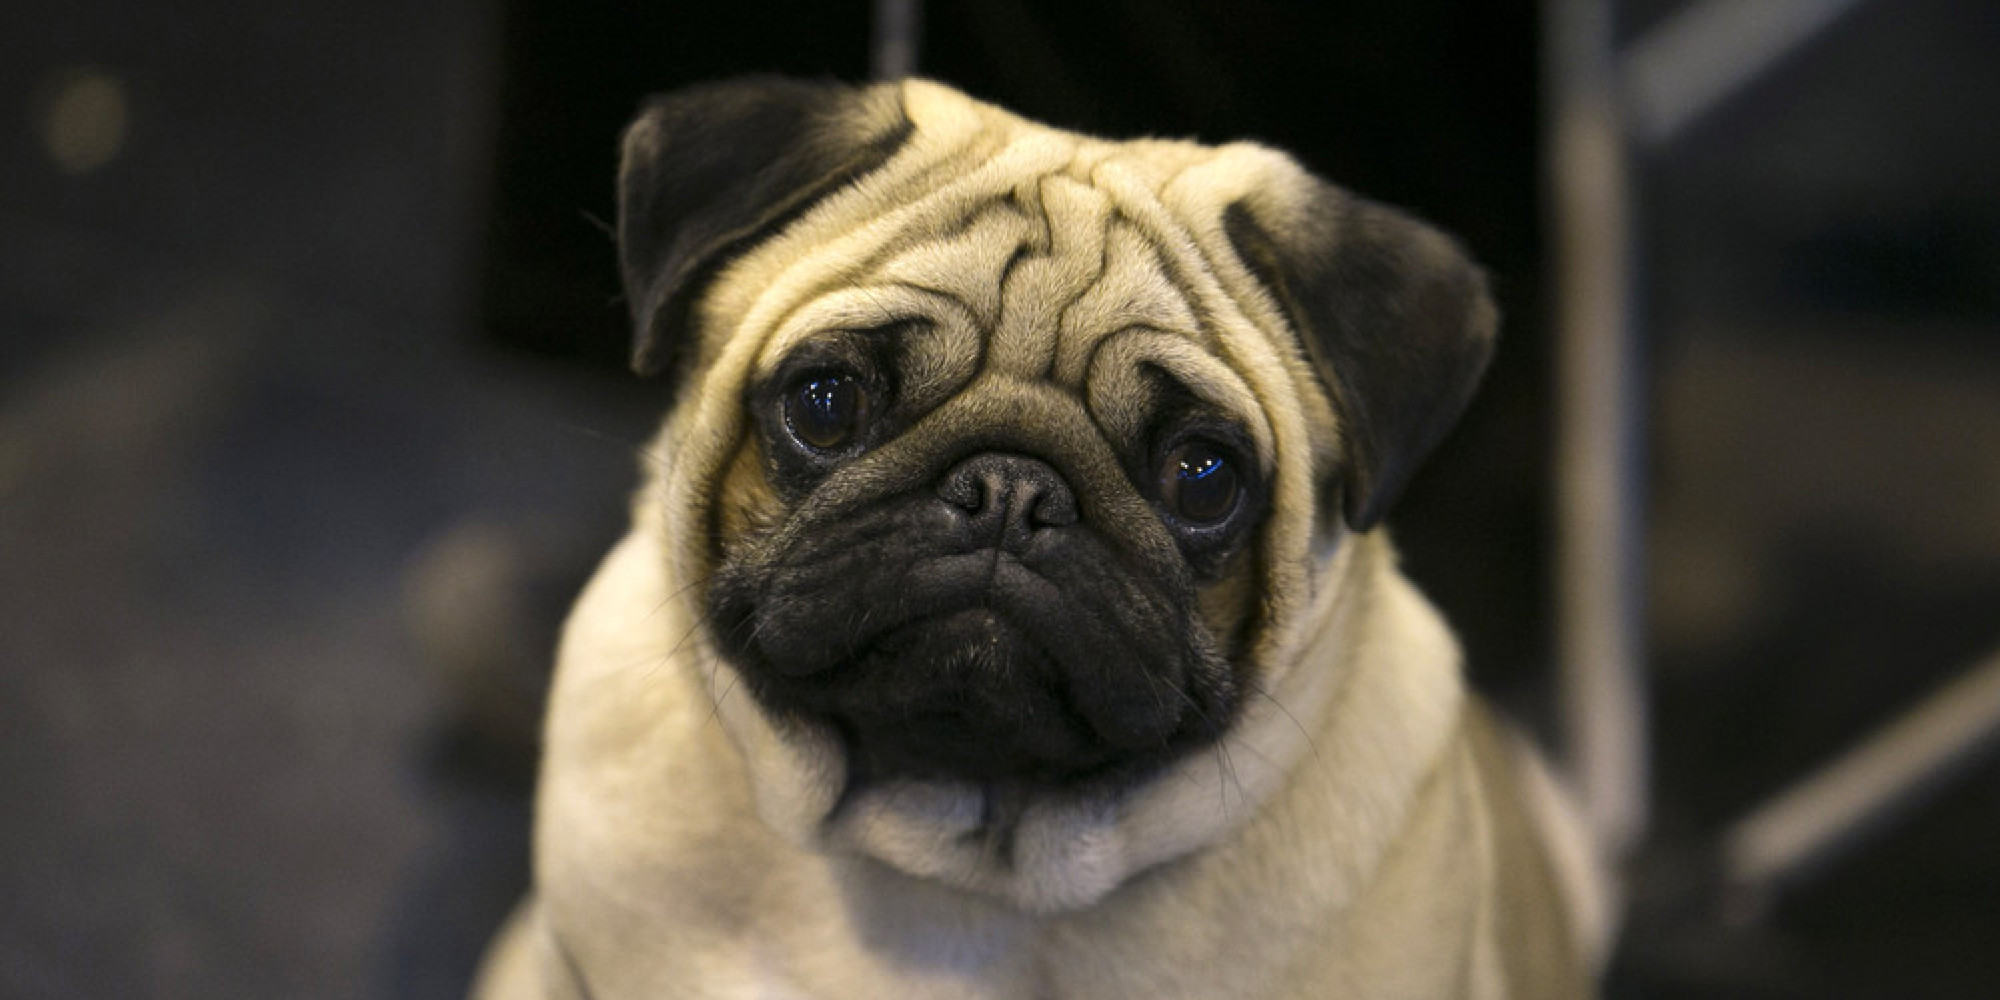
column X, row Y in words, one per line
column 1394, row 316
column 710, row 170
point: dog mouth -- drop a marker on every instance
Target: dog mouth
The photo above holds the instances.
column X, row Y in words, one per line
column 979, row 666
column 963, row 694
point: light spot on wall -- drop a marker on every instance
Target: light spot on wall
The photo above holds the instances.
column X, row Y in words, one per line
column 83, row 121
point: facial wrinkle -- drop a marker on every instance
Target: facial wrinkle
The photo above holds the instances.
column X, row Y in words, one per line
column 1134, row 291
column 1043, row 285
column 967, row 265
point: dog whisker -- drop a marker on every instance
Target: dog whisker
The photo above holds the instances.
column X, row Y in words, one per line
column 636, row 450
column 715, row 705
column 1225, row 764
column 1259, row 691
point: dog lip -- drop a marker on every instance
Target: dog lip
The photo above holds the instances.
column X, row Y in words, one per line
column 935, row 653
column 974, row 690
column 998, row 618
column 961, row 693
column 933, row 589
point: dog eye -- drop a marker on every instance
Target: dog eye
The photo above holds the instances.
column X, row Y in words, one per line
column 826, row 410
column 1198, row 483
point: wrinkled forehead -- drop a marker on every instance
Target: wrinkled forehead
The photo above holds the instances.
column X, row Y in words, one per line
column 1000, row 248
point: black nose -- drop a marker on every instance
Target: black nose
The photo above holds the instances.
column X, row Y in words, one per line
column 1008, row 497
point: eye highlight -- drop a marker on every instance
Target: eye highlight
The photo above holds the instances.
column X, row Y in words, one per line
column 826, row 410
column 1199, row 483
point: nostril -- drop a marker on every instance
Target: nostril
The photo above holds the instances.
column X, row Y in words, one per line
column 1016, row 490
column 967, row 493
column 1053, row 508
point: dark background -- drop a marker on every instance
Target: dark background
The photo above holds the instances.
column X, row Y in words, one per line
column 331, row 316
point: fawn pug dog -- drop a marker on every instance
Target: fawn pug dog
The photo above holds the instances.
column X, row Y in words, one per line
column 1003, row 617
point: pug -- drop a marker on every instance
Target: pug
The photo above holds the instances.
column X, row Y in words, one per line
column 1005, row 613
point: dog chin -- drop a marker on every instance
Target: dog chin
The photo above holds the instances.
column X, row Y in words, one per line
column 964, row 695
column 971, row 695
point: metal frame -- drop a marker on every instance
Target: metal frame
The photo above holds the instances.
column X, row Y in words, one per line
column 1601, row 104
column 1597, row 486
column 894, row 39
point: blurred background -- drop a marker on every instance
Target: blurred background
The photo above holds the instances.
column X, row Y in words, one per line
column 313, row 415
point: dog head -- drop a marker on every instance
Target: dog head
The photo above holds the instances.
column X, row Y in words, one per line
column 1006, row 462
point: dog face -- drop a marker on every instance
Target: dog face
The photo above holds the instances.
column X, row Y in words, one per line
column 1005, row 456
column 979, row 560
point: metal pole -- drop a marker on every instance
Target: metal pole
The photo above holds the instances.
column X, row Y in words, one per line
column 1598, row 437
column 1832, row 808
column 1709, row 51
column 897, row 27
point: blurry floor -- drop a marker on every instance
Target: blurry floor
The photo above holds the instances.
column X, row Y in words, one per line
column 237, row 395
column 228, row 770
